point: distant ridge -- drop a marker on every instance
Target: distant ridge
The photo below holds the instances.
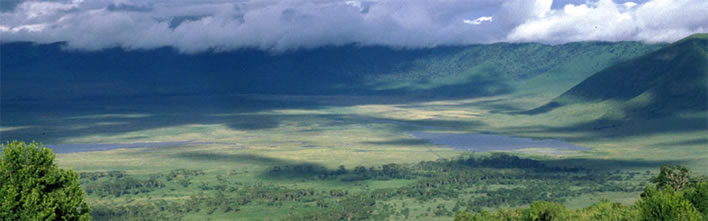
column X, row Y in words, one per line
column 664, row 82
column 47, row 72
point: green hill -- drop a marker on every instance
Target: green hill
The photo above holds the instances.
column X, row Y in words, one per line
column 668, row 85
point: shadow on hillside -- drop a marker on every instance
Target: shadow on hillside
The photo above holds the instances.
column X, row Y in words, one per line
column 691, row 142
column 469, row 87
column 281, row 169
column 232, row 158
column 617, row 128
column 325, row 70
column 657, row 87
column 400, row 142
column 542, row 109
column 496, row 106
column 674, row 77
column 275, row 168
column 54, row 122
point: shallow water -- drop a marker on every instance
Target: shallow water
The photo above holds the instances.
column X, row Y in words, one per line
column 491, row 142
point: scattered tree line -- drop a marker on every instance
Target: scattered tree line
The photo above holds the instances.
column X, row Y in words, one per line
column 524, row 181
column 34, row 188
column 675, row 195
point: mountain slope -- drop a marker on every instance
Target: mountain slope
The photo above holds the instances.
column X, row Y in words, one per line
column 663, row 91
column 671, row 78
column 49, row 72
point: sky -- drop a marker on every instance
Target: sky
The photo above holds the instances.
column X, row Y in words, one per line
column 280, row 25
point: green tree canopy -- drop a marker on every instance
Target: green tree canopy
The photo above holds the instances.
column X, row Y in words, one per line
column 674, row 176
column 676, row 196
column 666, row 204
column 545, row 211
column 32, row 187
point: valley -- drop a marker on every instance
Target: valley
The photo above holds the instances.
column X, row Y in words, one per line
column 368, row 149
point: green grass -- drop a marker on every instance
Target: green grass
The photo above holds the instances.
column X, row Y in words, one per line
column 250, row 134
column 342, row 135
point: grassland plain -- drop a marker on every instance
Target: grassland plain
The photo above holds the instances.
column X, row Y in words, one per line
column 257, row 157
column 321, row 131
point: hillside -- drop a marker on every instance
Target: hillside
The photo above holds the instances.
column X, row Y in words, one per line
column 471, row 71
column 667, row 87
column 672, row 78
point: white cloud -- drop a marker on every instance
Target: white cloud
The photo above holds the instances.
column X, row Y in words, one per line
column 479, row 20
column 542, row 7
column 24, row 28
column 629, row 4
column 605, row 20
column 43, row 9
column 196, row 25
column 356, row 4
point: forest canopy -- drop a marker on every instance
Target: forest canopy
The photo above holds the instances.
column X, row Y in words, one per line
column 675, row 195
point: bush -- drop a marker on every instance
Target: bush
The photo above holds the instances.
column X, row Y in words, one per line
column 545, row 211
column 32, row 187
column 699, row 197
column 666, row 204
column 606, row 210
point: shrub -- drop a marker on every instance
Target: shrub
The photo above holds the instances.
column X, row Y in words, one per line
column 666, row 204
column 545, row 211
column 32, row 187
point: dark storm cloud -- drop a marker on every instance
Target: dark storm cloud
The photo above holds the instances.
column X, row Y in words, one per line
column 197, row 25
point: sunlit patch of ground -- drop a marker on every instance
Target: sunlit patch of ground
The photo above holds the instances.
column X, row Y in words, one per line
column 411, row 113
column 332, row 129
column 243, row 142
column 10, row 129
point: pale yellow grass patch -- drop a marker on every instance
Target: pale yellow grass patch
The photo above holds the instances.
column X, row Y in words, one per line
column 400, row 113
column 8, row 129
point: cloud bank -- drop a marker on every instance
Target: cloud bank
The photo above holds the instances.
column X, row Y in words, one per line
column 277, row 25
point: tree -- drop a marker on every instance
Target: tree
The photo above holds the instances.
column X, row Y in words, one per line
column 545, row 211
column 32, row 187
column 699, row 197
column 666, row 204
column 606, row 210
column 464, row 216
column 674, row 176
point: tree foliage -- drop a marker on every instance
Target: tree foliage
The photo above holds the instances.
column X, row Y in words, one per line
column 674, row 176
column 666, row 204
column 32, row 187
column 676, row 195
column 545, row 211
column 699, row 197
column 522, row 181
